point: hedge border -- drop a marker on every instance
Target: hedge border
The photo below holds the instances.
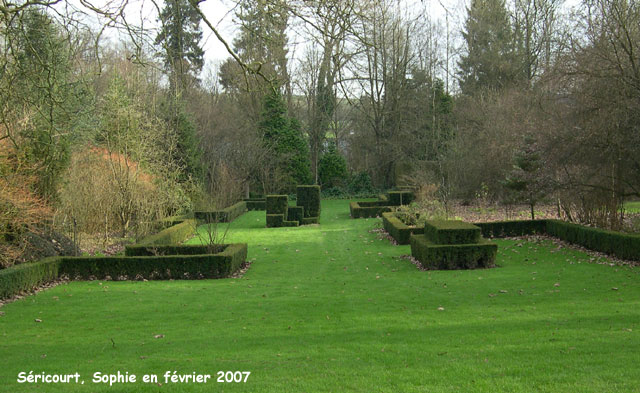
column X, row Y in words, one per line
column 172, row 235
column 256, row 204
column 397, row 229
column 227, row 214
column 358, row 211
column 27, row 276
column 451, row 232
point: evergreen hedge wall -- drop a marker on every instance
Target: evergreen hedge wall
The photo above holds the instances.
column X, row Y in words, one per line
column 172, row 235
column 225, row 215
column 27, row 276
column 308, row 197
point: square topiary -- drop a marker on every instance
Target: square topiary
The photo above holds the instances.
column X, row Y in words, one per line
column 295, row 213
column 275, row 220
column 277, row 204
column 451, row 232
column 309, row 198
column 453, row 256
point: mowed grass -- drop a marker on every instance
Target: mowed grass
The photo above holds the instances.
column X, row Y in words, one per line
column 632, row 207
column 331, row 308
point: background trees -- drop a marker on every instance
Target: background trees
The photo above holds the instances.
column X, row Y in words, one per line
column 352, row 94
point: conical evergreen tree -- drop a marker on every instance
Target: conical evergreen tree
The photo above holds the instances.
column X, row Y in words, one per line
column 490, row 61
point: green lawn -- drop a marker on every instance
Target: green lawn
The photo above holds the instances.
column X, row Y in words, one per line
column 632, row 207
column 332, row 308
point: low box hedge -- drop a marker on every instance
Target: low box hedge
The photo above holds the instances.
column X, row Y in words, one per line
column 290, row 223
column 359, row 211
column 162, row 267
column 295, row 213
column 397, row 229
column 277, row 204
column 512, row 228
column 621, row 245
column 399, row 198
column 171, row 249
column 27, row 276
column 310, row 220
column 453, row 256
column 308, row 197
column 256, row 204
column 275, row 220
column 172, row 235
column 227, row 214
column 451, row 232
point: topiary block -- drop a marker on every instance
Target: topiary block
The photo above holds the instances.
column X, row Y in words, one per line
column 453, row 256
column 295, row 213
column 309, row 198
column 451, row 232
column 275, row 220
column 277, row 204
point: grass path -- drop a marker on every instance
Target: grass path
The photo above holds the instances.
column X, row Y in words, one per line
column 332, row 308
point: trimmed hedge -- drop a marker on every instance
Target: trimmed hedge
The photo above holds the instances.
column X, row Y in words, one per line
column 308, row 197
column 453, row 256
column 175, row 220
column 256, row 204
column 170, row 249
column 397, row 229
column 172, row 235
column 277, row 204
column 275, row 220
column 164, row 267
column 290, row 223
column 225, row 215
column 512, row 228
column 27, row 276
column 398, row 198
column 619, row 244
column 451, row 232
column 295, row 213
column 359, row 211
column 310, row 220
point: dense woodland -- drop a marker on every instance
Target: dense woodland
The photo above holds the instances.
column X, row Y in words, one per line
column 527, row 102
